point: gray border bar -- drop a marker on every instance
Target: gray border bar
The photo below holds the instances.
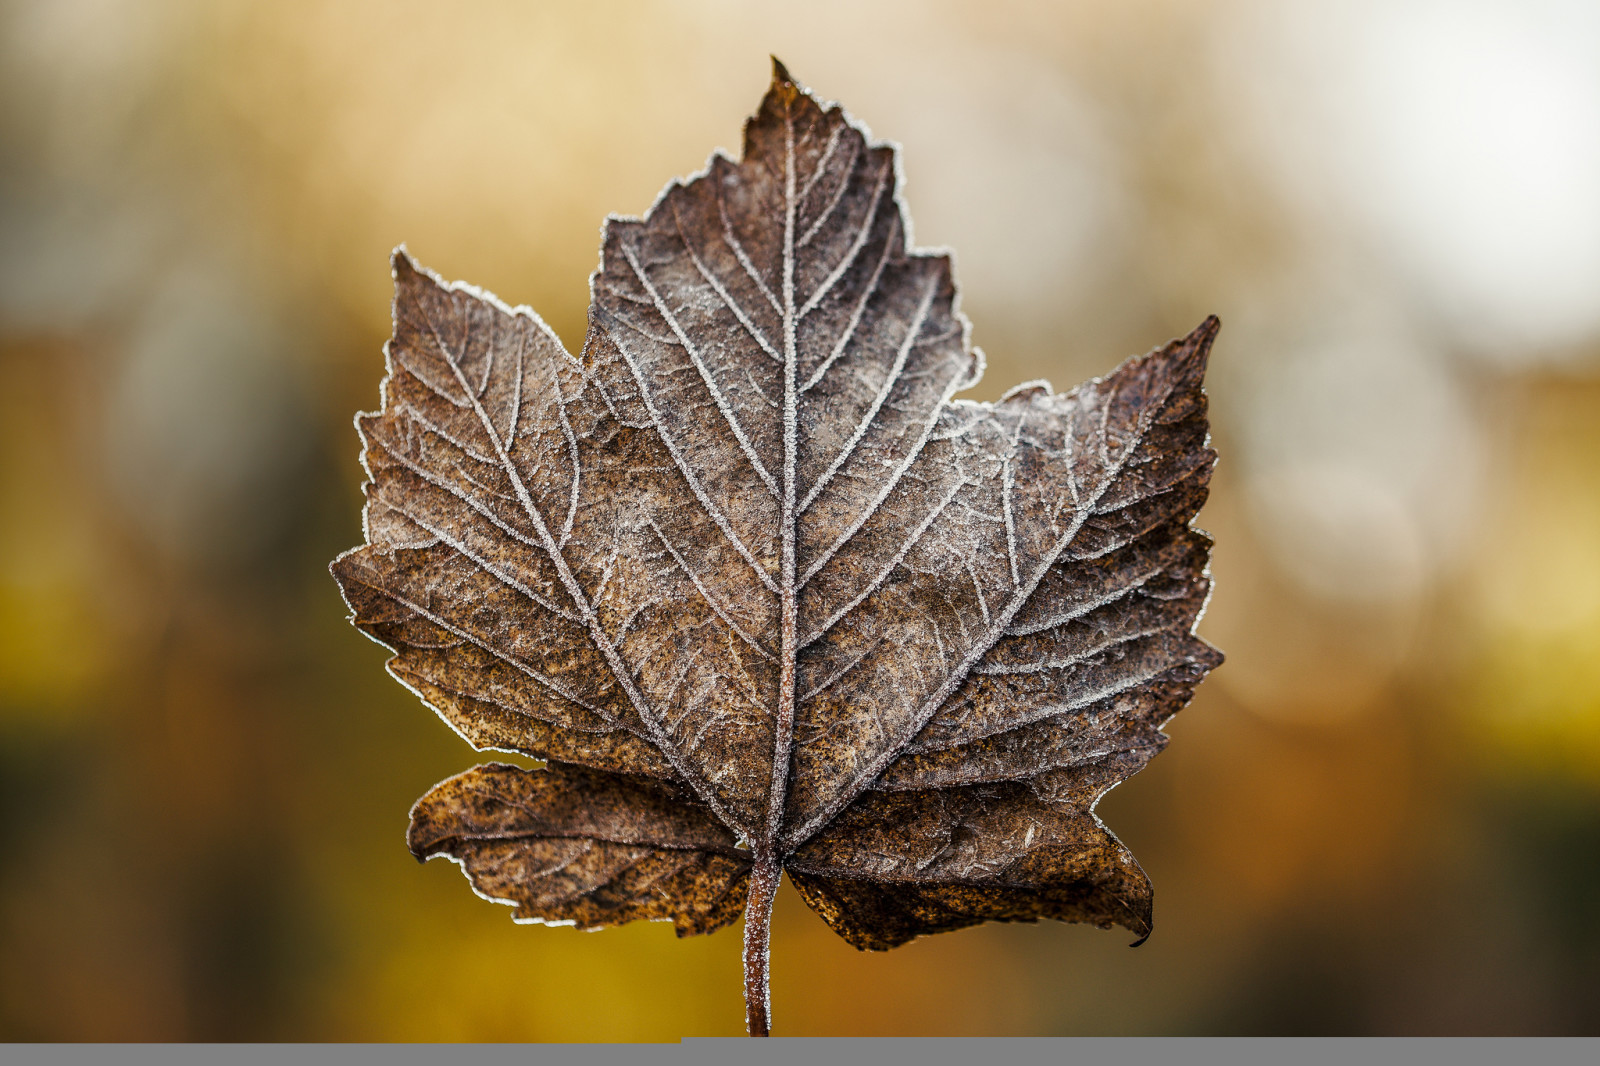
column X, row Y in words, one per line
column 927, row 1051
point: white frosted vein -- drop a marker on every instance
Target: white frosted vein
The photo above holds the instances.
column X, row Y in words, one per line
column 871, row 416
column 544, row 681
column 492, row 570
column 822, row 165
column 722, row 293
column 618, row 668
column 711, row 601
column 665, row 340
column 717, row 397
column 516, row 392
column 488, row 368
column 1046, row 665
column 788, row 600
column 977, row 586
column 435, row 389
column 1008, row 485
column 838, row 193
column 855, row 248
column 489, row 698
column 864, row 776
column 739, row 253
column 439, row 431
column 877, row 582
column 887, row 487
column 867, row 293
column 854, row 661
column 572, row 451
column 471, row 501
column 1045, row 710
column 1082, row 609
column 684, row 468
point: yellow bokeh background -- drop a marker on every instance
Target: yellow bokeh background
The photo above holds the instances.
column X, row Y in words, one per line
column 1380, row 816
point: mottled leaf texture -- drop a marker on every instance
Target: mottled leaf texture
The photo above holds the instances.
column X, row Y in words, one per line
column 761, row 592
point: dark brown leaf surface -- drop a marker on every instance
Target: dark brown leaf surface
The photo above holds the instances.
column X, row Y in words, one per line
column 760, row 590
column 593, row 849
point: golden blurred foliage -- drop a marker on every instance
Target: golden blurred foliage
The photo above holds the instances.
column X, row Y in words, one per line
column 1382, row 814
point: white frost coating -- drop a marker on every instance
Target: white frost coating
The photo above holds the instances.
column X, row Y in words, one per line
column 506, row 657
column 705, row 372
column 862, row 779
column 888, row 568
column 717, row 608
column 716, row 284
column 888, row 485
column 855, row 249
column 838, row 194
column 1045, row 665
column 889, row 383
column 1084, row 608
column 602, row 641
column 699, row 491
column 860, row 309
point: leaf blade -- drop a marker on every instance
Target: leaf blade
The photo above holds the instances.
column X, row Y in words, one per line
column 748, row 559
column 568, row 846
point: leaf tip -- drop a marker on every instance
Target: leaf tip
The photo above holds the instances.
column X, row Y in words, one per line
column 784, row 86
column 400, row 262
column 1198, row 342
column 1192, row 352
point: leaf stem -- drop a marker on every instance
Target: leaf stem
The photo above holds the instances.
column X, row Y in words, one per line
column 764, row 877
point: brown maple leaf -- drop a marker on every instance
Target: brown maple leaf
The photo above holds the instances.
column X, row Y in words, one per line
column 760, row 592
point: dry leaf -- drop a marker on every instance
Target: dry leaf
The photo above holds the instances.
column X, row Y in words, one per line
column 761, row 592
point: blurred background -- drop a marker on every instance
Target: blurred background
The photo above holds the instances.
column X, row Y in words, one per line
column 1380, row 816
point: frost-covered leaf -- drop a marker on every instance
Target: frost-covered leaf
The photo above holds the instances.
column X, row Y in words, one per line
column 763, row 593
